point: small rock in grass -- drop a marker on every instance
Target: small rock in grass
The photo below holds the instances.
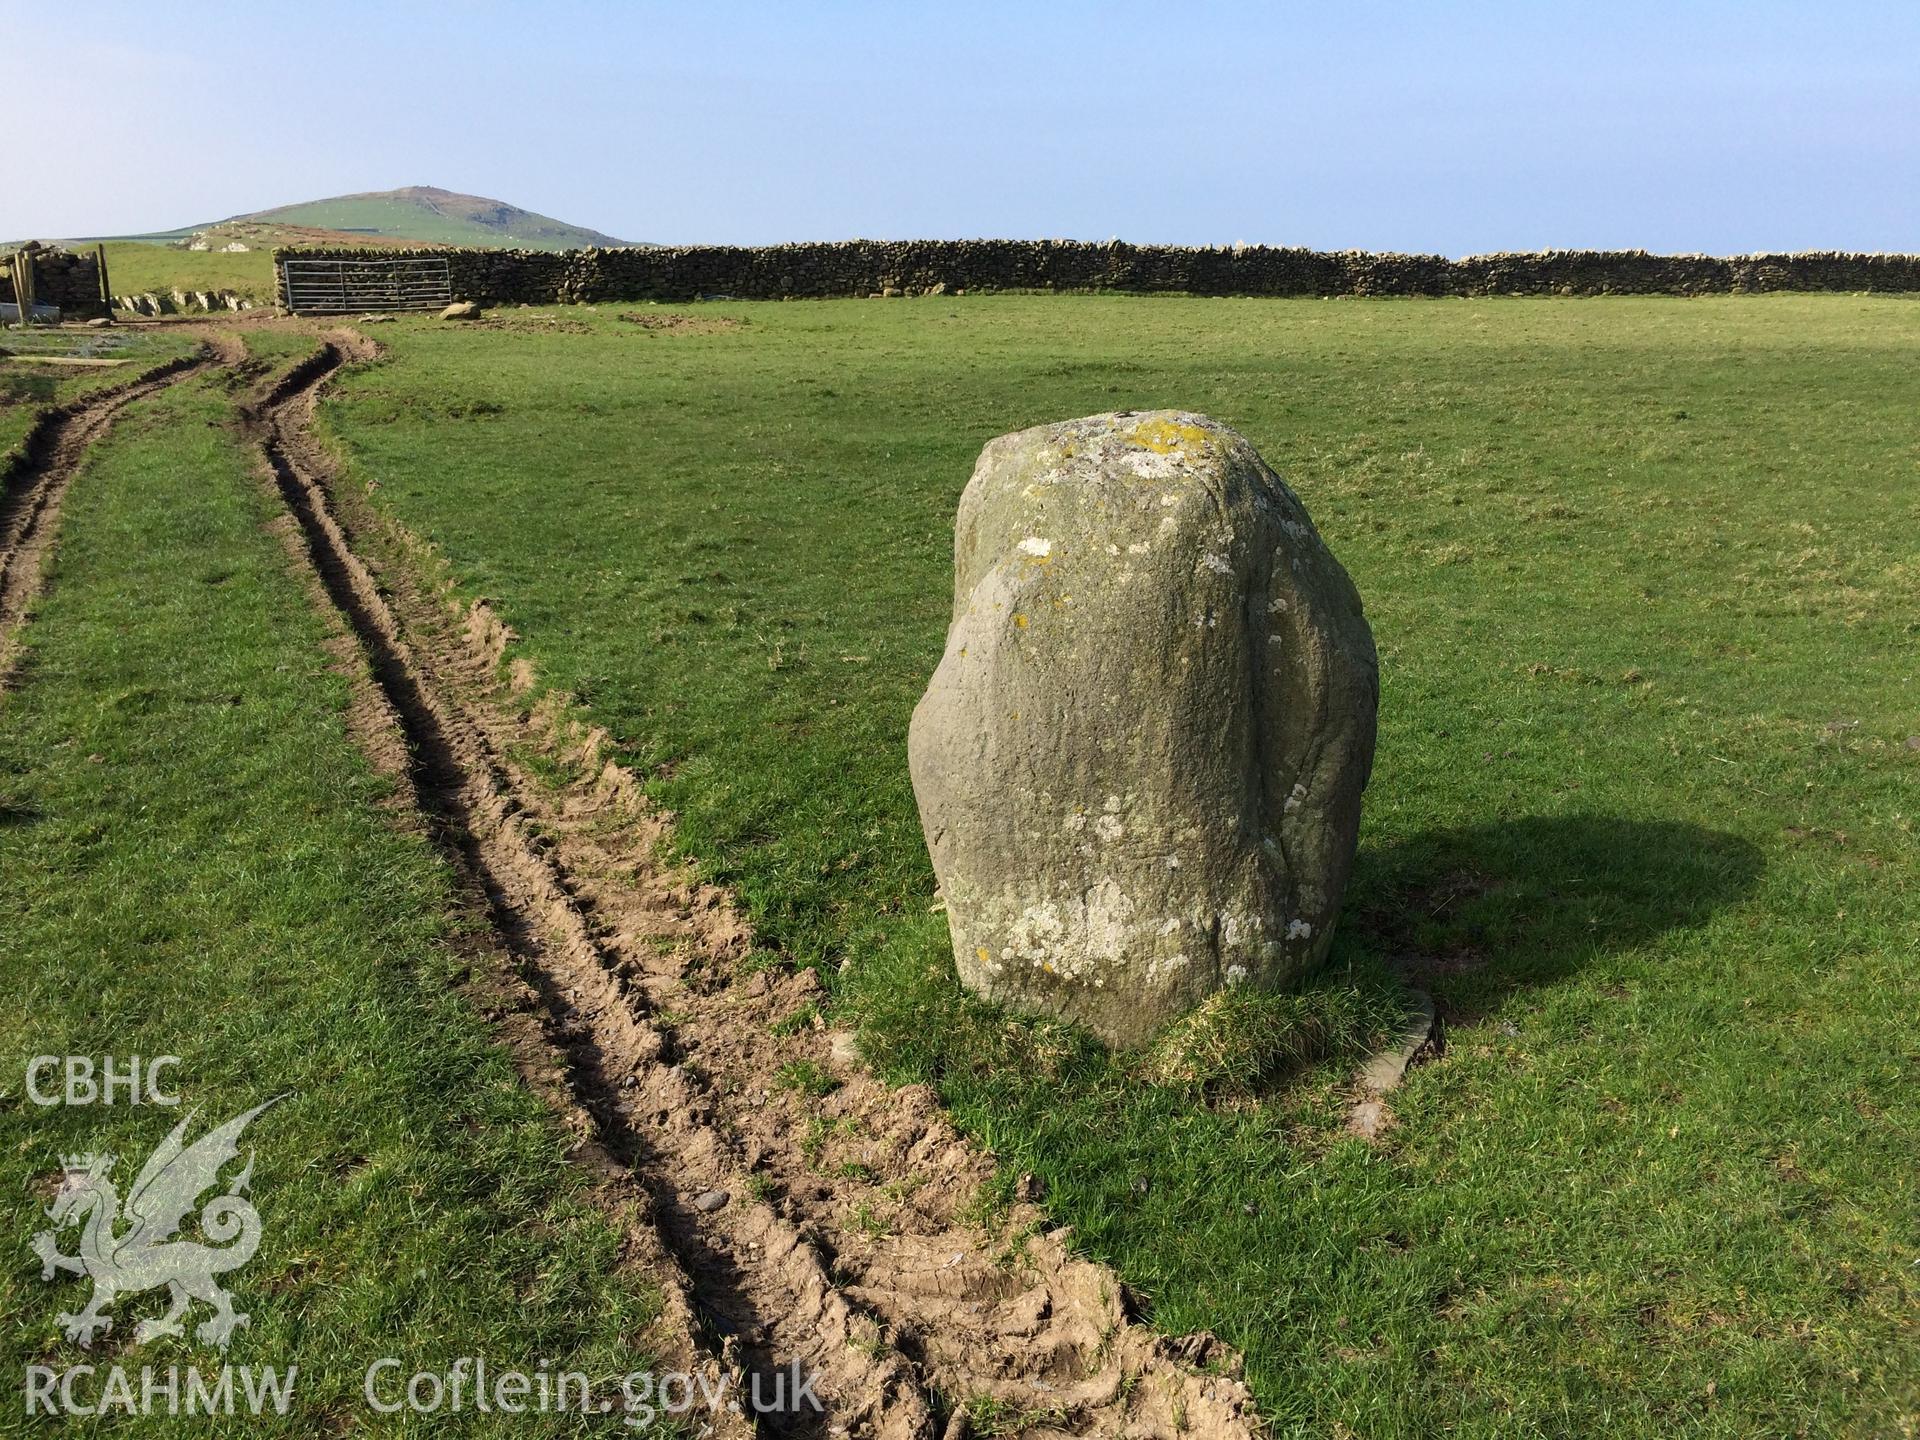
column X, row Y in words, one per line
column 1385, row 1070
column 710, row 1200
column 1370, row 1119
column 461, row 310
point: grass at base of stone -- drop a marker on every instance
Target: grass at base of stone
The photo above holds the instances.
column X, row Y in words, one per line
column 1244, row 1040
column 194, row 863
column 1642, row 820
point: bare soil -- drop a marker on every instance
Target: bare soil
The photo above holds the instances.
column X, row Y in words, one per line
column 673, row 322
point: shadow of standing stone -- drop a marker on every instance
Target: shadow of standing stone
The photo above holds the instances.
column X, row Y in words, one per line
column 1478, row 912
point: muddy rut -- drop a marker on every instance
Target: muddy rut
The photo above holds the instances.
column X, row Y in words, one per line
column 795, row 1209
column 33, row 487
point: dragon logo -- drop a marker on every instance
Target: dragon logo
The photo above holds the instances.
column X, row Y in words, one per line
column 124, row 1254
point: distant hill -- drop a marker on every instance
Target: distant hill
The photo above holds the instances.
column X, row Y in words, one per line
column 434, row 216
column 416, row 215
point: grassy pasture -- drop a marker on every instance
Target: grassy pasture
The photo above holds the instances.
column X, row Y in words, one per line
column 1642, row 573
column 134, row 267
column 193, row 863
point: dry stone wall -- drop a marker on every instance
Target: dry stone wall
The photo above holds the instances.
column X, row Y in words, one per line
column 873, row 267
column 66, row 278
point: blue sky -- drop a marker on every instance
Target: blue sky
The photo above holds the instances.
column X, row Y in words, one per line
column 1455, row 128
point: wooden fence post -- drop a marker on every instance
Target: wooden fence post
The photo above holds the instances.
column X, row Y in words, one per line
column 23, row 284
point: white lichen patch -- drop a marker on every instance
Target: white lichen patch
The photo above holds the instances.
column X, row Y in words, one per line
column 1218, row 564
column 1109, row 828
column 1138, row 547
column 1294, row 799
column 1163, row 967
column 1035, row 546
column 1036, row 935
column 1299, row 930
column 1149, row 465
column 1238, row 927
column 1236, row 974
column 1080, row 940
column 1109, row 921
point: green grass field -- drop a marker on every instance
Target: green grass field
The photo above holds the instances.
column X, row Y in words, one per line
column 1643, row 578
column 193, row 862
column 134, row 268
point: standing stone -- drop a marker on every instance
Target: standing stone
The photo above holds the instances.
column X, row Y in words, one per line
column 1140, row 760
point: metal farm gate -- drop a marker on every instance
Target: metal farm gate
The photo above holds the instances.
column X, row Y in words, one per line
column 323, row 286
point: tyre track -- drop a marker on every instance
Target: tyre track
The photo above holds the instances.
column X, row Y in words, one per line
column 35, row 483
column 461, row 788
column 758, row 1204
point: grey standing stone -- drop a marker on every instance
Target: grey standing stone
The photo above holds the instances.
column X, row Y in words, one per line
column 1139, row 763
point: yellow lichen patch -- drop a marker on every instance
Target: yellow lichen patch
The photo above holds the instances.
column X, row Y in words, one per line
column 1020, row 621
column 1163, row 437
column 981, row 951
